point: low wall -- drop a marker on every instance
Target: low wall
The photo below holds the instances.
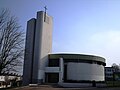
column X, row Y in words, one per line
column 77, row 85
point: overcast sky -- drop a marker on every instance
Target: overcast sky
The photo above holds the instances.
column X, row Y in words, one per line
column 80, row 26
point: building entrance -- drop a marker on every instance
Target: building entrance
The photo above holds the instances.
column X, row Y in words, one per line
column 52, row 77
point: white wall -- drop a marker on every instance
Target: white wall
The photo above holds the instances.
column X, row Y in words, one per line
column 2, row 78
column 85, row 71
column 52, row 69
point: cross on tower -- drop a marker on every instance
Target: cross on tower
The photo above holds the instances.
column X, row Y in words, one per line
column 45, row 13
column 45, row 9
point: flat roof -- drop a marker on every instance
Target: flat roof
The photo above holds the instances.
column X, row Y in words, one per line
column 76, row 56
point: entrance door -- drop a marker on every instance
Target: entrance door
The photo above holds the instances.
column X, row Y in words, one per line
column 51, row 77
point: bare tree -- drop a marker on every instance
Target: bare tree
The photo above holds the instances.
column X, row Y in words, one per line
column 11, row 42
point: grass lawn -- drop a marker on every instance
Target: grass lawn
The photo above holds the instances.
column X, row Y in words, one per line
column 113, row 83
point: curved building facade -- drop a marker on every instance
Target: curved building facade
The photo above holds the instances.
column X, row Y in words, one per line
column 74, row 68
column 85, row 71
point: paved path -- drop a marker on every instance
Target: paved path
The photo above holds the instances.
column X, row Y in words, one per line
column 48, row 87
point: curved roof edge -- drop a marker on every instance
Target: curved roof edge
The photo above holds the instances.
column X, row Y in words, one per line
column 77, row 55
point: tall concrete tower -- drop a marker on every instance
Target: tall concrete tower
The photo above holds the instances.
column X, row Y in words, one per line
column 38, row 45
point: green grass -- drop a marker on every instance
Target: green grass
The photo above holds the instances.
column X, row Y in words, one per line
column 113, row 83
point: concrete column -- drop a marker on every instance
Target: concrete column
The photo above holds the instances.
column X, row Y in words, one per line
column 61, row 71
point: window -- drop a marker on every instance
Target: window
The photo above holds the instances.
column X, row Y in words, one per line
column 53, row 62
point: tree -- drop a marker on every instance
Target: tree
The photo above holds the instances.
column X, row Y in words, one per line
column 11, row 42
column 116, row 67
